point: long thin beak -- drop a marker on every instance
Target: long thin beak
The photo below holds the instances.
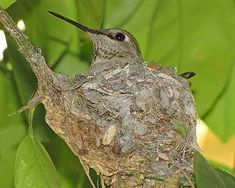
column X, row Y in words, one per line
column 80, row 26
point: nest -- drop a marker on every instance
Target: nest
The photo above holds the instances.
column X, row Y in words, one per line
column 135, row 126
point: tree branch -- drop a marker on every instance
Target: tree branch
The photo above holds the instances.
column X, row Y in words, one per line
column 30, row 52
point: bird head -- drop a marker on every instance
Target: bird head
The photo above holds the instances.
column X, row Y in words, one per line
column 109, row 44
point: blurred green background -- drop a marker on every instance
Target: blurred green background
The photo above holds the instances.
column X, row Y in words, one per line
column 192, row 35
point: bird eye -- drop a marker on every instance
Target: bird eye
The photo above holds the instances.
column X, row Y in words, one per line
column 119, row 36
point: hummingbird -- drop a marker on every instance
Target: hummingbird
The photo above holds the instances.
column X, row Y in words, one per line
column 112, row 47
column 122, row 104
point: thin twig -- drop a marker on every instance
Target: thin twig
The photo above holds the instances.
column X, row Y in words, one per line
column 86, row 170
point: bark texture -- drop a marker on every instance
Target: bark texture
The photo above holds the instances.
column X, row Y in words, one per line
column 134, row 125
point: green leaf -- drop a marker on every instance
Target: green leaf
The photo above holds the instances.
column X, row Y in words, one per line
column 91, row 13
column 41, row 130
column 33, row 166
column 221, row 117
column 207, row 176
column 67, row 164
column 6, row 3
column 12, row 130
column 72, row 65
column 119, row 13
column 23, row 8
column 229, row 180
